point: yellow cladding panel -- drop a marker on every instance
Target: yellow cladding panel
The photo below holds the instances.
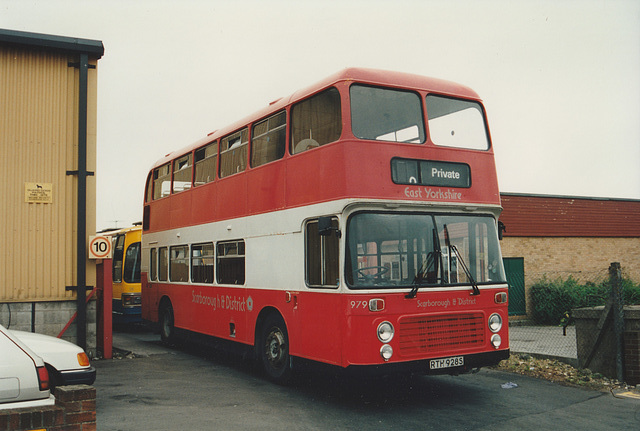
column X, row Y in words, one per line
column 38, row 145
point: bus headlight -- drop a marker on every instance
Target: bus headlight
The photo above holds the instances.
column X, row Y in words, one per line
column 386, row 351
column 495, row 322
column 385, row 332
column 496, row 340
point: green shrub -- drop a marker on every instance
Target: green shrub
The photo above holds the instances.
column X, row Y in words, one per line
column 551, row 300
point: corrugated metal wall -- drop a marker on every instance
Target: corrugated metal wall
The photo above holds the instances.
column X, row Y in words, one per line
column 38, row 144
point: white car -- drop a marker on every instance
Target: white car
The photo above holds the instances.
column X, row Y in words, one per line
column 67, row 363
column 24, row 379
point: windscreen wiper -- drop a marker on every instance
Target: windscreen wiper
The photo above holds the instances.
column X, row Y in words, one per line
column 418, row 280
column 454, row 249
column 433, row 258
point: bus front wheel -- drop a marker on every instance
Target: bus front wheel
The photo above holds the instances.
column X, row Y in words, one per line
column 167, row 330
column 274, row 349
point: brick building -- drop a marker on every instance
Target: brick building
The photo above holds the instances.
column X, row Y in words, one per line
column 558, row 236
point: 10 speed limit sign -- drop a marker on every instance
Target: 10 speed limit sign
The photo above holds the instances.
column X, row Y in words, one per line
column 99, row 247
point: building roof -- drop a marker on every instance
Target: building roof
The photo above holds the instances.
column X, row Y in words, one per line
column 569, row 216
column 57, row 43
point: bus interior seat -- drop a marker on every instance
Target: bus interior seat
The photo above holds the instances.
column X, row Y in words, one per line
column 306, row 144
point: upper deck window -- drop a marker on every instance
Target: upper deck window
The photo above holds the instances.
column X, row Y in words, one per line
column 205, row 161
column 457, row 123
column 148, row 197
column 385, row 114
column 233, row 153
column 162, row 181
column 268, row 139
column 316, row 121
column 182, row 174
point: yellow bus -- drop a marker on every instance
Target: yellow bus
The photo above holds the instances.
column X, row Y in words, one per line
column 126, row 274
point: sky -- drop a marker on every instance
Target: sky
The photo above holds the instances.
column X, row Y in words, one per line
column 560, row 79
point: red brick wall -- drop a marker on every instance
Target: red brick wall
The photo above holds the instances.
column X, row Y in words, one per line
column 75, row 410
column 632, row 357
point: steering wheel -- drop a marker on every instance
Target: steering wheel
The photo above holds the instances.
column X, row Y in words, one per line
column 381, row 270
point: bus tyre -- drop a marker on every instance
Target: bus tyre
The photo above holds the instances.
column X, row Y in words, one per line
column 274, row 349
column 167, row 330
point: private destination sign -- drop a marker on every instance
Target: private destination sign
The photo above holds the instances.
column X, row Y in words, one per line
column 430, row 173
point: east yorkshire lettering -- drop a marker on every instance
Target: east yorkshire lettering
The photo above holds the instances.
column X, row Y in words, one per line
column 429, row 193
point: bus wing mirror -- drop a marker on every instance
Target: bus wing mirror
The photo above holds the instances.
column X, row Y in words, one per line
column 501, row 230
column 325, row 227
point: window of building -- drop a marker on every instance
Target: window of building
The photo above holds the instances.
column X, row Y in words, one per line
column 268, row 139
column 202, row 259
column 179, row 263
column 163, row 264
column 230, row 262
column 206, row 159
column 322, row 253
column 182, row 174
column 162, row 181
column 233, row 153
column 316, row 121
column 153, row 264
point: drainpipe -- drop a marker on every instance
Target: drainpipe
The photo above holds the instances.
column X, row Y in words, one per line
column 81, row 262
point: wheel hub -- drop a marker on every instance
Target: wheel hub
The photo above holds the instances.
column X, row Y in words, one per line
column 275, row 347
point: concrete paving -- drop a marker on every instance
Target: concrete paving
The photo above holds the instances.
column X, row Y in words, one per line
column 544, row 340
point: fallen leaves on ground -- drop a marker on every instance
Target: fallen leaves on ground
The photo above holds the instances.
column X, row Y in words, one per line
column 559, row 372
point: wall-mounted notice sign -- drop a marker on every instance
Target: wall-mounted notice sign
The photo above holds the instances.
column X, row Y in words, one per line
column 38, row 193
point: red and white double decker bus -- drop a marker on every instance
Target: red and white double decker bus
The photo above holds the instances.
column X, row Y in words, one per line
column 352, row 223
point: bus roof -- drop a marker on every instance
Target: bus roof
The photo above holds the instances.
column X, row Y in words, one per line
column 361, row 75
column 118, row 230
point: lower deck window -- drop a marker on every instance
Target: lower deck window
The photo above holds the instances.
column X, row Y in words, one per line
column 230, row 262
column 153, row 264
column 163, row 264
column 388, row 250
column 202, row 263
column 179, row 270
column 322, row 266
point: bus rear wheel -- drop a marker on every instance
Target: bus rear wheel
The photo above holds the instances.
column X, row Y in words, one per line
column 273, row 349
column 167, row 330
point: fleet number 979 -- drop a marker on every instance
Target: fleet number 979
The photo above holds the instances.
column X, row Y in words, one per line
column 359, row 304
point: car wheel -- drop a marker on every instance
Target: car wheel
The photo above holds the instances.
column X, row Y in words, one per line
column 274, row 349
column 167, row 330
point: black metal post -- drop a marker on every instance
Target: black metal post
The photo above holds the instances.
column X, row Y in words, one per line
column 615, row 275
